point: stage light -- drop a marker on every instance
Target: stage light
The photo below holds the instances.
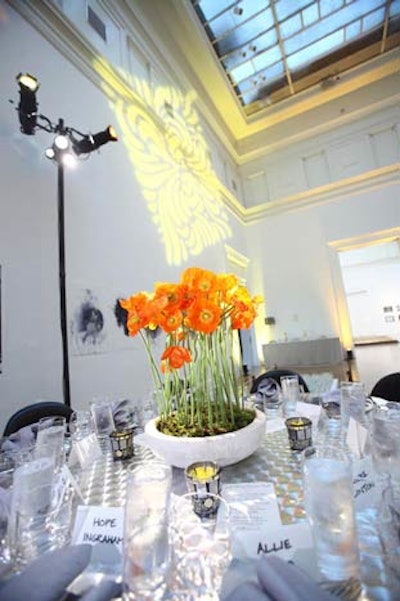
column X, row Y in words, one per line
column 61, row 142
column 28, row 81
column 93, row 142
column 67, row 145
column 61, row 151
column 27, row 108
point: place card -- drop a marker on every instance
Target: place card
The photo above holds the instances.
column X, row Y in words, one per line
column 282, row 540
column 96, row 525
column 367, row 493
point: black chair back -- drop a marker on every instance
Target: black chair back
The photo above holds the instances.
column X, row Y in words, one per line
column 277, row 374
column 388, row 387
column 32, row 413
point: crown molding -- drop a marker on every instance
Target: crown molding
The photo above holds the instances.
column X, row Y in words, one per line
column 322, row 195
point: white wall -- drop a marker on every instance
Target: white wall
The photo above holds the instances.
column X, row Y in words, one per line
column 372, row 283
column 298, row 271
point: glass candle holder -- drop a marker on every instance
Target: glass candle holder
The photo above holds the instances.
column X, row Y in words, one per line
column 203, row 477
column 122, row 444
column 299, row 431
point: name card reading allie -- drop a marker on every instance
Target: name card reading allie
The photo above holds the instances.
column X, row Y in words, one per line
column 99, row 525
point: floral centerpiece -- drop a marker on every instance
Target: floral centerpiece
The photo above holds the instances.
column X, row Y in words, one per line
column 196, row 383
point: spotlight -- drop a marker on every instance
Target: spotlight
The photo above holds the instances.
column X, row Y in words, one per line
column 61, row 151
column 27, row 108
column 61, row 142
column 89, row 143
column 28, row 81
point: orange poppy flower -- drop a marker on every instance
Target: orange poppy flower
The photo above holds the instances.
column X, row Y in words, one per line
column 200, row 280
column 203, row 316
column 140, row 311
column 174, row 357
column 168, row 295
column 170, row 321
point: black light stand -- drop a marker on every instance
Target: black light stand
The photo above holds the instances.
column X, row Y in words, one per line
column 349, row 360
column 69, row 143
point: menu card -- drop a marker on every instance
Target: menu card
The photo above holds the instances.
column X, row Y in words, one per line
column 256, row 523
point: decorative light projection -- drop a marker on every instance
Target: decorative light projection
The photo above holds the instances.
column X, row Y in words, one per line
column 164, row 139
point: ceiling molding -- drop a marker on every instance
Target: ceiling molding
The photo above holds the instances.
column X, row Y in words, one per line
column 325, row 194
column 380, row 237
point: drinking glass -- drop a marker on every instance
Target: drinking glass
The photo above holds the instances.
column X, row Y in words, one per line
column 146, row 536
column 329, row 428
column 42, row 523
column 328, row 496
column 271, row 395
column 389, row 527
column 352, row 402
column 385, row 442
column 103, row 421
column 50, row 439
column 291, row 394
column 6, row 480
column 201, row 545
column 80, row 424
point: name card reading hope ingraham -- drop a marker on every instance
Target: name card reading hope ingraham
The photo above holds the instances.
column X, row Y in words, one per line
column 99, row 525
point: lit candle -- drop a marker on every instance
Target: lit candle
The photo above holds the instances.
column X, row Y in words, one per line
column 203, row 475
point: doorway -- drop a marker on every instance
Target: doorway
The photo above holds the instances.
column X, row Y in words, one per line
column 371, row 278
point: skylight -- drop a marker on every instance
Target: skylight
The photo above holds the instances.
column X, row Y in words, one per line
column 273, row 49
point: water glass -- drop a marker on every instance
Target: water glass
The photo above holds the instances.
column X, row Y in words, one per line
column 270, row 394
column 385, row 442
column 201, row 546
column 291, row 394
column 50, row 439
column 146, row 535
column 41, row 526
column 80, row 424
column 6, row 481
column 329, row 427
column 328, row 496
column 389, row 528
column 103, row 421
column 352, row 402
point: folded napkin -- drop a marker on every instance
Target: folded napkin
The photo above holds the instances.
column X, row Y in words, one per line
column 47, row 577
column 21, row 439
column 279, row 581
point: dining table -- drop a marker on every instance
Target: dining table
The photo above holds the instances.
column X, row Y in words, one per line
column 104, row 483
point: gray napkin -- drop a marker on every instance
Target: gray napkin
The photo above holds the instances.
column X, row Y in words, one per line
column 279, row 581
column 21, row 439
column 106, row 590
column 48, row 576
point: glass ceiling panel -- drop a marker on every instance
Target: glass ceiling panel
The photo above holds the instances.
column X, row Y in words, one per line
column 268, row 47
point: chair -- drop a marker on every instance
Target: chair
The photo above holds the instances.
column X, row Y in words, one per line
column 277, row 374
column 33, row 413
column 388, row 387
